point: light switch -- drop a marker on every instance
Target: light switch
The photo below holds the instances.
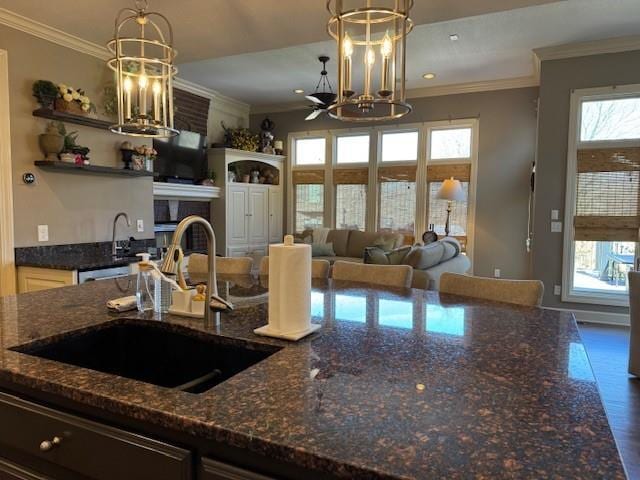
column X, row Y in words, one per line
column 496, row 273
column 140, row 225
column 556, row 227
column 557, row 289
column 43, row 233
column 555, row 214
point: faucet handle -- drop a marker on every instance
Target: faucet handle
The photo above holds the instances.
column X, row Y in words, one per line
column 219, row 304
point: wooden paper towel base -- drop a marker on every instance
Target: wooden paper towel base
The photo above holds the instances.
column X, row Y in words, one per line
column 266, row 332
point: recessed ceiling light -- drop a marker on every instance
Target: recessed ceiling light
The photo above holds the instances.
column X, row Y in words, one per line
column 429, row 76
column 454, row 37
column 299, row 91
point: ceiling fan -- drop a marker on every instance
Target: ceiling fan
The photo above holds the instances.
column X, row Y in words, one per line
column 323, row 96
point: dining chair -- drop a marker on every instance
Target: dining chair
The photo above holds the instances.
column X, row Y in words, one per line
column 319, row 268
column 198, row 264
column 388, row 275
column 519, row 292
column 634, row 317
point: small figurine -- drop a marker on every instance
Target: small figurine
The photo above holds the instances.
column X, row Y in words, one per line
column 200, row 293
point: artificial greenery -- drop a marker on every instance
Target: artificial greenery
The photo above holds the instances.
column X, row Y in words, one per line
column 70, row 138
column 44, row 89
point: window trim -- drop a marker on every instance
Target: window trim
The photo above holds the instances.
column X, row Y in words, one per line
column 335, row 134
column 404, row 129
column 452, row 125
column 308, row 136
column 574, row 143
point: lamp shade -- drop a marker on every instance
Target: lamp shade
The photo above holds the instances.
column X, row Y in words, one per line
column 451, row 190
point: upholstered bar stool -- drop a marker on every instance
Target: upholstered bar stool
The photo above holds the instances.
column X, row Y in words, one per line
column 519, row 292
column 319, row 268
column 224, row 265
column 388, row 275
column 634, row 317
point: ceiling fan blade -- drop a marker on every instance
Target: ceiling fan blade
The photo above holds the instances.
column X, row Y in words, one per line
column 313, row 115
column 313, row 99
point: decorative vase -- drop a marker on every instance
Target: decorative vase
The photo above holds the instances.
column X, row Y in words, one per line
column 127, row 156
column 68, row 107
column 51, row 143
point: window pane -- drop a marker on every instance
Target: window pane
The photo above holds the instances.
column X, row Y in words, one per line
column 310, row 151
column 309, row 207
column 451, row 143
column 602, row 266
column 353, row 149
column 351, row 206
column 397, row 207
column 610, row 119
column 438, row 212
column 401, row 146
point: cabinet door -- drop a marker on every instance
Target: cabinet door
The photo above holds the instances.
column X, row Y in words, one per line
column 33, row 279
column 258, row 215
column 275, row 215
column 214, row 470
column 238, row 214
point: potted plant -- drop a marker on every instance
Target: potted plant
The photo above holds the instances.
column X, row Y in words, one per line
column 45, row 92
column 72, row 100
column 51, row 142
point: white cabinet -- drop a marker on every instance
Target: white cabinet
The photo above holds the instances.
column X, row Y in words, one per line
column 275, row 215
column 258, row 215
column 238, row 215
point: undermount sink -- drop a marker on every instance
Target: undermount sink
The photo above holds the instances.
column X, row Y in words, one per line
column 153, row 352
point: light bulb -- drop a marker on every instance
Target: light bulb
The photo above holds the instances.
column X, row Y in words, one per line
column 143, row 81
column 347, row 45
column 127, row 84
column 157, row 88
column 370, row 57
column 387, row 46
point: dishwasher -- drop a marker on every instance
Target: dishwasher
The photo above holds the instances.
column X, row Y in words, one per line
column 104, row 273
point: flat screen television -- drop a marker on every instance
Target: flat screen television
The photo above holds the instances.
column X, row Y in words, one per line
column 183, row 157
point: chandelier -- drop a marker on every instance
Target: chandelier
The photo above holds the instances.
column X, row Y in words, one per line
column 371, row 37
column 143, row 62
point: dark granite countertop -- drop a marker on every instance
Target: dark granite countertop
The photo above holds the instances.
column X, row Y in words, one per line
column 81, row 256
column 397, row 384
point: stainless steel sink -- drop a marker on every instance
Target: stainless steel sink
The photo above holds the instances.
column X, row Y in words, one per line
column 153, row 352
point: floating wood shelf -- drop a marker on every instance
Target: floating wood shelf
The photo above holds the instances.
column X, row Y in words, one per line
column 72, row 118
column 63, row 167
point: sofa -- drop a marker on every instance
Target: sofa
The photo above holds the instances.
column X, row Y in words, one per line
column 428, row 261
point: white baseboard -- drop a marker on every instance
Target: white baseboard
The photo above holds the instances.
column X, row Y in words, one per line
column 590, row 316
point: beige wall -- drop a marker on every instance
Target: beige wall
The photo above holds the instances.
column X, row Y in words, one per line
column 507, row 144
column 558, row 78
column 77, row 208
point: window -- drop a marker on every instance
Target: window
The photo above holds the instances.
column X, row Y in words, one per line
column 310, row 151
column 450, row 143
column 603, row 201
column 397, row 207
column 400, row 146
column 351, row 206
column 395, row 313
column 309, row 206
column 352, row 149
column 351, row 308
column 438, row 212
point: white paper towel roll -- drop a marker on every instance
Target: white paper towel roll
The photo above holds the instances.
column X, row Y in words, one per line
column 289, row 291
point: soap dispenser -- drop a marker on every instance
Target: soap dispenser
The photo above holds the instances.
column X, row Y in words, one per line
column 146, row 290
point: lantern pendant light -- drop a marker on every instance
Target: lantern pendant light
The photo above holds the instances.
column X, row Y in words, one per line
column 371, row 37
column 143, row 62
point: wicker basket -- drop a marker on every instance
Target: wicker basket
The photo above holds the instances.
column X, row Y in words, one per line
column 68, row 107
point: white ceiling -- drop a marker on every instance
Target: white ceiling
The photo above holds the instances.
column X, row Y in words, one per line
column 258, row 51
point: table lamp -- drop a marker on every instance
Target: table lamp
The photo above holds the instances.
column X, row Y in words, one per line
column 451, row 191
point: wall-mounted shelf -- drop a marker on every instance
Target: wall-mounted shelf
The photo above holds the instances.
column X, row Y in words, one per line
column 63, row 167
column 72, row 118
column 179, row 191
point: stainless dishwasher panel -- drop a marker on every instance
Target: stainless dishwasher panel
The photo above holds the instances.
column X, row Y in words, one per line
column 104, row 274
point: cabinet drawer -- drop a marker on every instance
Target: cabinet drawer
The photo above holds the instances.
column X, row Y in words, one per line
column 87, row 448
column 214, row 470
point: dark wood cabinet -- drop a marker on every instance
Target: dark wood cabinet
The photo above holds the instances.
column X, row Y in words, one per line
column 214, row 470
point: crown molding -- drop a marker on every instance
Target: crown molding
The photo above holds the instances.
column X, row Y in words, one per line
column 583, row 49
column 439, row 91
column 51, row 34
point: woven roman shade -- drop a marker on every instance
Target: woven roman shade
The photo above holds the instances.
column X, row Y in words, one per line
column 439, row 173
column 350, row 176
column 308, row 177
column 608, row 195
column 397, row 173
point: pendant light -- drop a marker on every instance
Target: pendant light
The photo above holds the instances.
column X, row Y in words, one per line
column 143, row 52
column 371, row 37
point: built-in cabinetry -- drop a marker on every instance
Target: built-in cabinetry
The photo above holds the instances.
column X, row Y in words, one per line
column 33, row 279
column 248, row 216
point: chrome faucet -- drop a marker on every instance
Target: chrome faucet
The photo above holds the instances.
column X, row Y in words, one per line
column 114, row 245
column 174, row 253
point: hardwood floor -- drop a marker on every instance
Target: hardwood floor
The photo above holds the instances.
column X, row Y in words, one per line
column 608, row 351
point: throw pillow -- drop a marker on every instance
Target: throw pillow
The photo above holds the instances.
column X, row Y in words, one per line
column 397, row 256
column 375, row 256
column 385, row 244
column 322, row 250
column 425, row 257
column 453, row 241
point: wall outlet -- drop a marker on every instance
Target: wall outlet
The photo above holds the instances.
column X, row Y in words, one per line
column 43, row 233
column 556, row 227
column 555, row 214
column 557, row 290
column 496, row 273
column 140, row 225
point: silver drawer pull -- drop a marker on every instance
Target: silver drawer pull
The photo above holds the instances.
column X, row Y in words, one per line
column 48, row 445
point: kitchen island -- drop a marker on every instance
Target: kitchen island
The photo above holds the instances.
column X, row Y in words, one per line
column 396, row 384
